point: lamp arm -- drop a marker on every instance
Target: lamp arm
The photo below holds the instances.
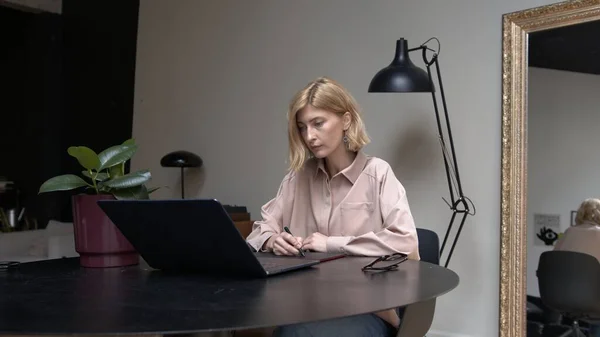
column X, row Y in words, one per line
column 458, row 201
column 440, row 132
column 448, row 128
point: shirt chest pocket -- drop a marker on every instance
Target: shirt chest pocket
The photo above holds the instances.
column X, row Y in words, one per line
column 357, row 217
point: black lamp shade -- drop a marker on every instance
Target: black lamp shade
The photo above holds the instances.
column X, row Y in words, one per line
column 181, row 159
column 401, row 75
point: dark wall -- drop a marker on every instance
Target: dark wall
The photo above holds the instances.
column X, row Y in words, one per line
column 66, row 80
column 572, row 48
column 99, row 65
column 31, row 104
column 99, row 53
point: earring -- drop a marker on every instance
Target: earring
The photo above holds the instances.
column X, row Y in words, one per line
column 345, row 139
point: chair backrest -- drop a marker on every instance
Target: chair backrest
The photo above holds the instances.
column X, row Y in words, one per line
column 416, row 319
column 429, row 245
column 569, row 282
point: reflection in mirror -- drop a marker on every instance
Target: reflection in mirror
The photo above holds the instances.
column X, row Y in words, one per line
column 563, row 149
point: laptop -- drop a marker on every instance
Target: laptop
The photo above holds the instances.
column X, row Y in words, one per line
column 193, row 235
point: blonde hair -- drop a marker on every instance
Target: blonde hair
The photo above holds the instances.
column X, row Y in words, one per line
column 589, row 211
column 325, row 94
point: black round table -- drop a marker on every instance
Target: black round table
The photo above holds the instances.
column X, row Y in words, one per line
column 60, row 297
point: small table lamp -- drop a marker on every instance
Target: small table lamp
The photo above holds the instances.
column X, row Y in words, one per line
column 181, row 159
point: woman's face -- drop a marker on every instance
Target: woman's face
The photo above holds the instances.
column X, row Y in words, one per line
column 321, row 130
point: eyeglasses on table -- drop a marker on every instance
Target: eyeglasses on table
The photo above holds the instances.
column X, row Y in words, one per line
column 386, row 262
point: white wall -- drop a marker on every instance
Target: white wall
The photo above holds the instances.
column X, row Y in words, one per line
column 563, row 155
column 215, row 78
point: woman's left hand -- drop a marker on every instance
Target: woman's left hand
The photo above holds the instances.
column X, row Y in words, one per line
column 316, row 242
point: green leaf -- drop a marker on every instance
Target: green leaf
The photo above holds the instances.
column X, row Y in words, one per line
column 116, row 171
column 115, row 155
column 103, row 188
column 129, row 180
column 152, row 189
column 63, row 183
column 136, row 192
column 130, row 141
column 100, row 177
column 85, row 156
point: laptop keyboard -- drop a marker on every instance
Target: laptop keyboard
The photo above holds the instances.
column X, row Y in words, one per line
column 275, row 263
column 269, row 265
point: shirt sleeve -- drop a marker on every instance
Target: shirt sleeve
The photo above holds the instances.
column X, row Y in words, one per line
column 399, row 234
column 272, row 214
column 559, row 242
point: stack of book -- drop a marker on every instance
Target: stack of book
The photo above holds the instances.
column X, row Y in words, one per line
column 241, row 218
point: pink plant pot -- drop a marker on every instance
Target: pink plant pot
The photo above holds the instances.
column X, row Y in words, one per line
column 98, row 241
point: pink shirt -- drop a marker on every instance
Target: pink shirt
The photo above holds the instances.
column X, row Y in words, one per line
column 583, row 238
column 363, row 209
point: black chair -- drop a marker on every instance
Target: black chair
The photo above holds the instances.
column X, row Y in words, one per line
column 417, row 318
column 429, row 246
column 542, row 320
column 569, row 282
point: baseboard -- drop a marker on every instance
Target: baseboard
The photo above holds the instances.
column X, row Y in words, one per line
column 438, row 333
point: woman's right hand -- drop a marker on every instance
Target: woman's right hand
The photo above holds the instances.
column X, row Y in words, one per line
column 284, row 244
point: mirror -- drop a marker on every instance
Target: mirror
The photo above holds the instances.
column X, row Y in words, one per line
column 530, row 143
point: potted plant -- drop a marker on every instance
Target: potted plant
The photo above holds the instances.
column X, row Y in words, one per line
column 97, row 240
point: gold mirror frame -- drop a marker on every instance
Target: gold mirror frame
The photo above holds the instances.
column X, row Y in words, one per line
column 513, row 244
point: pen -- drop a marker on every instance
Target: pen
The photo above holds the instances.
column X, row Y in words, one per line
column 290, row 233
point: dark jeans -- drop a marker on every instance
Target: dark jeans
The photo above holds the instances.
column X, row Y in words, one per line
column 354, row 326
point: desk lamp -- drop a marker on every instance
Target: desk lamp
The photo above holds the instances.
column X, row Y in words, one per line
column 181, row 159
column 403, row 76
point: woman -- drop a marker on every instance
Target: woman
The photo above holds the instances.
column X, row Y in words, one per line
column 335, row 198
column 584, row 237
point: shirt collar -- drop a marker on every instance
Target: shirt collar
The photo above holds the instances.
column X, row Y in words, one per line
column 589, row 223
column 351, row 172
column 320, row 167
